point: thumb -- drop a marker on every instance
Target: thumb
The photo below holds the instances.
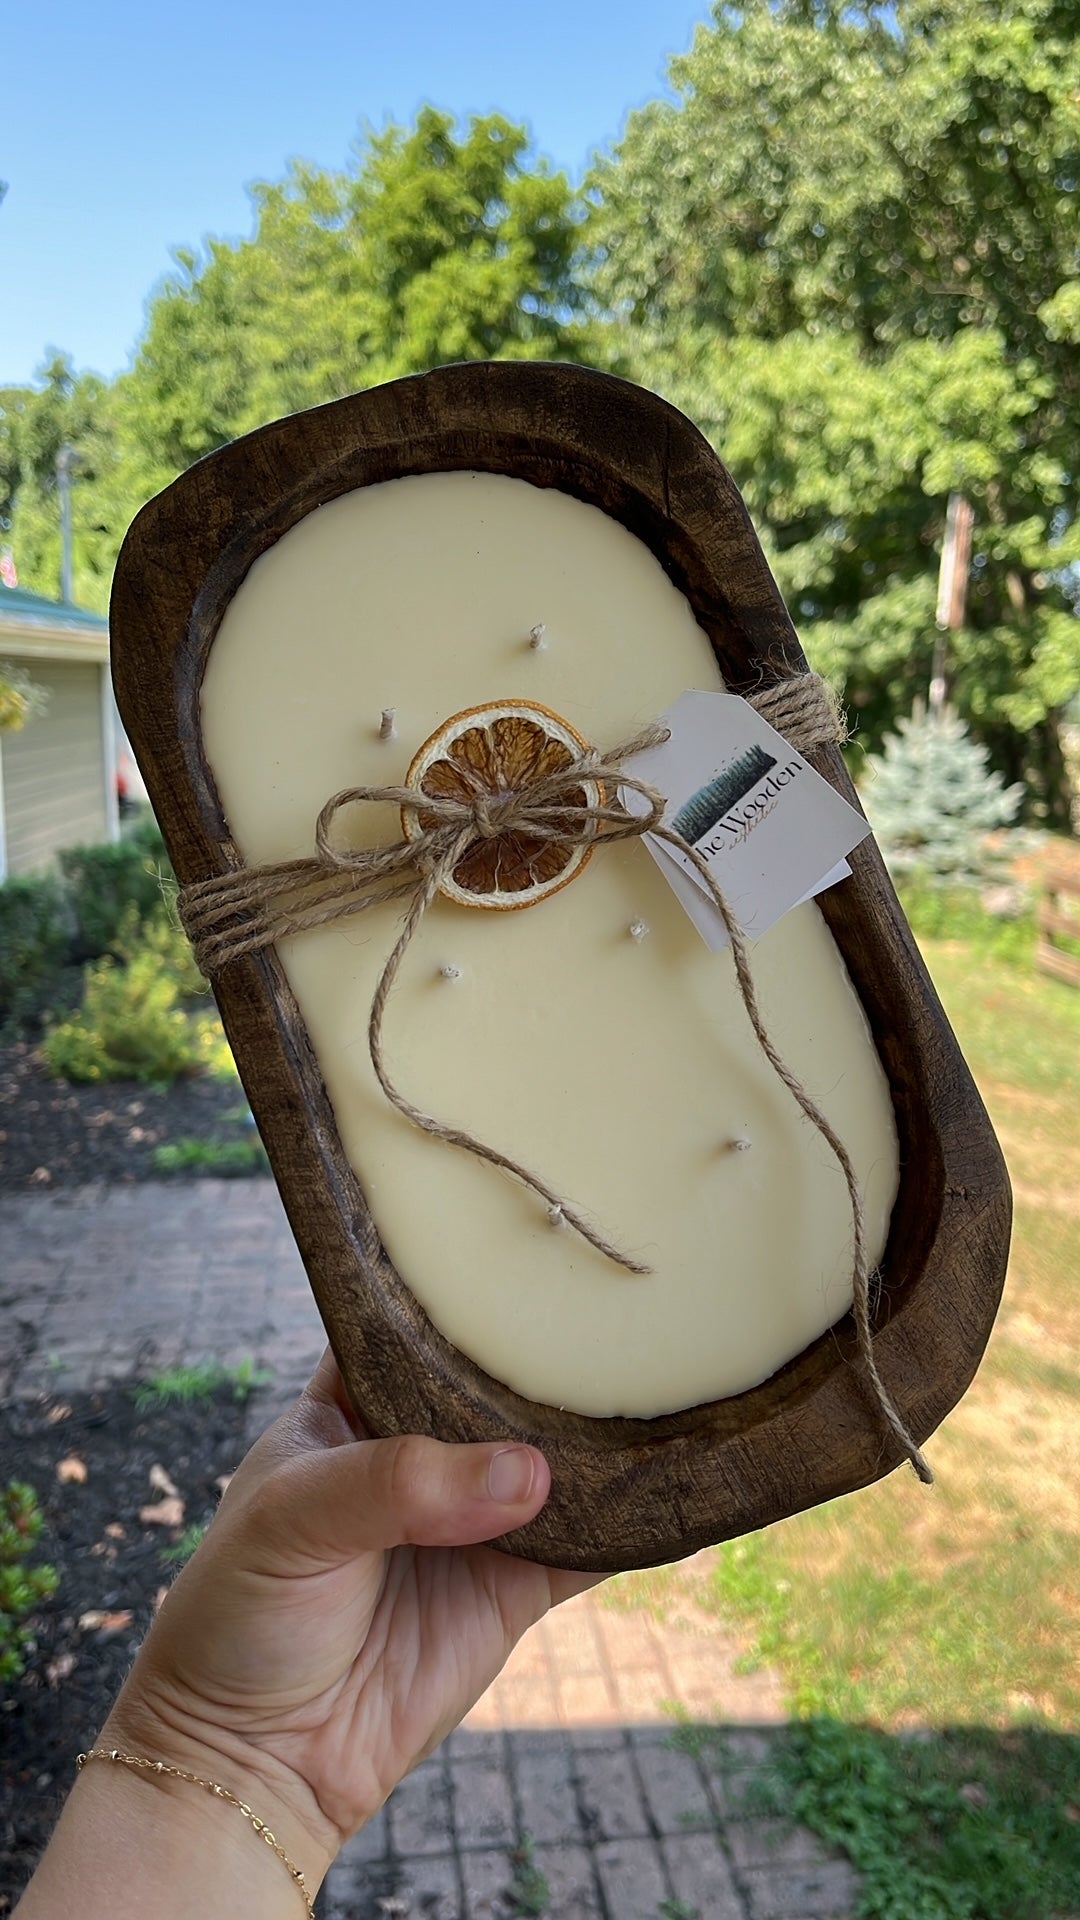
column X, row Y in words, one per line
column 322, row 1508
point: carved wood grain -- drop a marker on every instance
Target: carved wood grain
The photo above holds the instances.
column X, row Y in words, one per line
column 625, row 1492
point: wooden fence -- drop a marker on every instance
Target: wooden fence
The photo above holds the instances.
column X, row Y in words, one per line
column 1058, row 950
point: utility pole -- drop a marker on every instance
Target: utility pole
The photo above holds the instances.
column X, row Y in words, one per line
column 952, row 588
column 65, row 462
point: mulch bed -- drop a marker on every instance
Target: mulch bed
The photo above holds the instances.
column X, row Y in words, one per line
column 56, row 1134
column 111, row 1571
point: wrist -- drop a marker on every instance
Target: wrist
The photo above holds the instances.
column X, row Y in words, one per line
column 132, row 1842
column 160, row 1727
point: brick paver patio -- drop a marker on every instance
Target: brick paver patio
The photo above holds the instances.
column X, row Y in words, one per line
column 567, row 1792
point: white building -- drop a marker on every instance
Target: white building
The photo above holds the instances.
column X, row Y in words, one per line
column 58, row 773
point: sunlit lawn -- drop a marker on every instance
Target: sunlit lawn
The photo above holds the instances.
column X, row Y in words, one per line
column 929, row 1640
column 961, row 1604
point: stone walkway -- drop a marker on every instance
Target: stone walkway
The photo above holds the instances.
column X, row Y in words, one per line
column 571, row 1791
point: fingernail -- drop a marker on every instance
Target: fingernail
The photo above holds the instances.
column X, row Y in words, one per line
column 510, row 1475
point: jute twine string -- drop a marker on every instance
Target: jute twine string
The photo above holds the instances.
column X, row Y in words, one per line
column 245, row 911
column 860, row 1271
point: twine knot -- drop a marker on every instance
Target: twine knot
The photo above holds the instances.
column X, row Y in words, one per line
column 492, row 815
column 566, row 808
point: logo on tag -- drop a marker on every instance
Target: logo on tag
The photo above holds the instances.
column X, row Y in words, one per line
column 772, row 831
column 714, row 812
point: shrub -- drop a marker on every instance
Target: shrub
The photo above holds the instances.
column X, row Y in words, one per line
column 933, row 800
column 112, row 899
column 163, row 936
column 130, row 1026
column 22, row 1588
column 104, row 882
column 34, row 936
column 21, row 699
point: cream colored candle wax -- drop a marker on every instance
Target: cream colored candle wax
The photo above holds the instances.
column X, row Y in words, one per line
column 621, row 1069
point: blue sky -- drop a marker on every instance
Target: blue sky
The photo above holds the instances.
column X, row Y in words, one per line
column 130, row 128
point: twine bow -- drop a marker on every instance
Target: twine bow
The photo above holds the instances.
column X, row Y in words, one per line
column 242, row 912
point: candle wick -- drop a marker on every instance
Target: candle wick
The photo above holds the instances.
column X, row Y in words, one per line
column 538, row 636
column 740, row 1145
column 387, row 729
column 450, row 972
column 232, row 914
column 639, row 930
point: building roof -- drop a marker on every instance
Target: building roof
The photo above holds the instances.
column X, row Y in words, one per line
column 20, row 608
column 32, row 626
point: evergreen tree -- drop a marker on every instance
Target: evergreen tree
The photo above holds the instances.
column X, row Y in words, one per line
column 933, row 799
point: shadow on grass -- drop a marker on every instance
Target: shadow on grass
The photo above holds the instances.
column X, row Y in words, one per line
column 958, row 1823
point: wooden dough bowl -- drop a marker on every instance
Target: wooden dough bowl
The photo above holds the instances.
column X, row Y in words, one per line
column 626, row 1493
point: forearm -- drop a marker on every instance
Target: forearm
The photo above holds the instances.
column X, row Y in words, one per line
column 131, row 1842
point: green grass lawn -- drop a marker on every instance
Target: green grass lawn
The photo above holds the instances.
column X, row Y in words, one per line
column 962, row 1604
column 954, row 1609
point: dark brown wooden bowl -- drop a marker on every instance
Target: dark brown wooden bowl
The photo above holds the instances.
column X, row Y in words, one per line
column 625, row 1493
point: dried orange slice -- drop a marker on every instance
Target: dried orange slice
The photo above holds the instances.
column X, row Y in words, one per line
column 501, row 749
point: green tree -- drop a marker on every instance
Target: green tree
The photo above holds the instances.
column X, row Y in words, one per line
column 63, row 409
column 849, row 248
column 933, row 801
column 432, row 247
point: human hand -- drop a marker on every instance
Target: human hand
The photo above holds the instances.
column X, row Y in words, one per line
column 339, row 1618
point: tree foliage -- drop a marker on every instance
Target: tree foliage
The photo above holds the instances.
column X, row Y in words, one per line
column 850, row 248
column 933, row 800
column 433, row 246
column 65, row 409
column 22, row 1587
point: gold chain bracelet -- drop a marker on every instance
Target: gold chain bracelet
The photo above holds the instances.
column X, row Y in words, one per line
column 220, row 1793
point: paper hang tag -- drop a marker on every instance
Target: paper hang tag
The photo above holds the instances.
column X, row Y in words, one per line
column 772, row 832
column 689, row 892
